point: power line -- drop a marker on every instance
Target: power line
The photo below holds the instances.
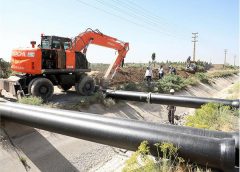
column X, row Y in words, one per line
column 139, row 11
column 149, row 13
column 134, row 16
column 143, row 10
column 128, row 20
column 234, row 60
column 123, row 18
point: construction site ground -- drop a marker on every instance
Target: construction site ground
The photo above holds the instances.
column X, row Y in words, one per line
column 29, row 149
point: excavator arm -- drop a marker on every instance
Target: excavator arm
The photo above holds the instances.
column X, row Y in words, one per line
column 81, row 42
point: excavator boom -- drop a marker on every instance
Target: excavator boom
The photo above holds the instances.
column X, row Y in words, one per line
column 81, row 42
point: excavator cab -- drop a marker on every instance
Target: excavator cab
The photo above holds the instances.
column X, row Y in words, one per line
column 55, row 42
column 53, row 52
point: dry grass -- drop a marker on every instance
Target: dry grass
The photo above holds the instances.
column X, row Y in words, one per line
column 142, row 160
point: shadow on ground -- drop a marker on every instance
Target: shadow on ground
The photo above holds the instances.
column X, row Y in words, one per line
column 37, row 148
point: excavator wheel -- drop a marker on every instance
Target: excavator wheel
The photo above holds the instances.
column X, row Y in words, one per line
column 30, row 85
column 86, row 86
column 65, row 87
column 42, row 87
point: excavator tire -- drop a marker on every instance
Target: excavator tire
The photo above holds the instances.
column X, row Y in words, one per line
column 42, row 87
column 64, row 87
column 86, row 86
column 30, row 85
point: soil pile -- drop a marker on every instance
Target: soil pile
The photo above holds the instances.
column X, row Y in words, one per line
column 134, row 74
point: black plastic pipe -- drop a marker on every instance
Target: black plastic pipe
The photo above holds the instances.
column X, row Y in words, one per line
column 184, row 101
column 216, row 153
column 139, row 124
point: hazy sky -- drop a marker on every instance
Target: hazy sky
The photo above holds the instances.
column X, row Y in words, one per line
column 161, row 26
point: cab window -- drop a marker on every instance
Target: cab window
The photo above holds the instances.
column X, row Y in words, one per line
column 45, row 44
column 56, row 44
column 66, row 45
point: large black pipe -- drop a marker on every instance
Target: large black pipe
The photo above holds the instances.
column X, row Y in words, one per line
column 184, row 101
column 120, row 121
column 216, row 153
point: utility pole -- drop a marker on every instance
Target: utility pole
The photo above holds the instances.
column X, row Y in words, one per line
column 225, row 57
column 195, row 35
column 234, row 58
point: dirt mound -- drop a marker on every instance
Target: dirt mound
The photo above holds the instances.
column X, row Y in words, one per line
column 183, row 74
column 129, row 74
column 134, row 74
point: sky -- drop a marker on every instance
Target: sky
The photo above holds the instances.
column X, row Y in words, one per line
column 161, row 26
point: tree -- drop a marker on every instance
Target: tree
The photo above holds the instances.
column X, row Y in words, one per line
column 4, row 68
column 153, row 58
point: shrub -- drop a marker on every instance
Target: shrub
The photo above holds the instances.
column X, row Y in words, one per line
column 131, row 86
column 108, row 102
column 202, row 77
column 223, row 73
column 141, row 160
column 202, row 66
column 132, row 163
column 213, row 116
column 191, row 81
column 31, row 100
column 170, row 82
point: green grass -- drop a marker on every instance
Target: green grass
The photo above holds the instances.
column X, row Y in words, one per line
column 214, row 116
column 31, row 100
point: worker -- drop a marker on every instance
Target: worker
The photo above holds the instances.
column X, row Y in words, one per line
column 161, row 72
column 188, row 62
column 171, row 110
column 148, row 74
column 172, row 70
column 189, row 59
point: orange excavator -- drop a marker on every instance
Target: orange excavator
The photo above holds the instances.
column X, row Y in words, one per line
column 59, row 61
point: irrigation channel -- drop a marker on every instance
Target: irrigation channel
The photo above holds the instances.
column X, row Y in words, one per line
column 217, row 149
